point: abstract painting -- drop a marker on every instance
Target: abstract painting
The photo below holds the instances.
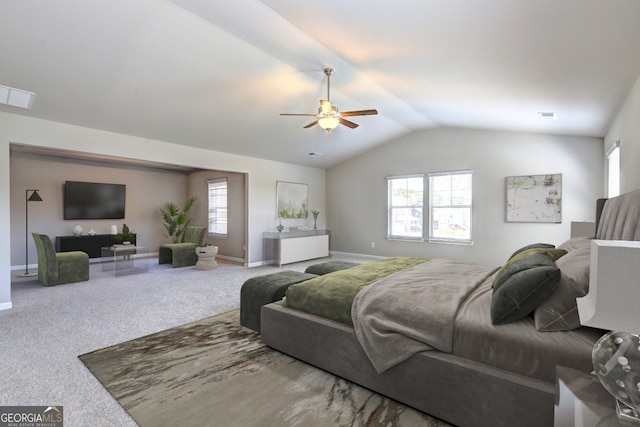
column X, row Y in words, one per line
column 292, row 200
column 534, row 198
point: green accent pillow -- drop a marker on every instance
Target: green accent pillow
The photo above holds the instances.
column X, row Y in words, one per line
column 533, row 246
column 524, row 253
column 524, row 283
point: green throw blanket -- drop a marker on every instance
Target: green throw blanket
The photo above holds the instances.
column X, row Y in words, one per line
column 331, row 295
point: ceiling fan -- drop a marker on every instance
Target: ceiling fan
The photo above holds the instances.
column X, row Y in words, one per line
column 328, row 115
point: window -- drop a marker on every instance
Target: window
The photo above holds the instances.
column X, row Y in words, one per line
column 450, row 206
column 613, row 170
column 405, row 199
column 218, row 208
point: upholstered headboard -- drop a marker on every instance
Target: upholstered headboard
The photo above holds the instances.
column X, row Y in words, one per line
column 620, row 218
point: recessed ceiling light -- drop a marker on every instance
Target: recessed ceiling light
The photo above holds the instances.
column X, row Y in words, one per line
column 16, row 97
column 548, row 115
column 314, row 154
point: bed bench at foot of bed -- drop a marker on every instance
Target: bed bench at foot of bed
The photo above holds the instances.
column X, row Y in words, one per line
column 268, row 288
column 459, row 391
column 265, row 289
column 329, row 267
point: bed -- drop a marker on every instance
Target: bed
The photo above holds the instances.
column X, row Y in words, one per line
column 479, row 348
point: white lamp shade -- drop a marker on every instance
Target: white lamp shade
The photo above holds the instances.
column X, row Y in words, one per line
column 328, row 123
column 613, row 300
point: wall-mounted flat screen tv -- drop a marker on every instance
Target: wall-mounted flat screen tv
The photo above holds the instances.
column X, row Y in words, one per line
column 93, row 200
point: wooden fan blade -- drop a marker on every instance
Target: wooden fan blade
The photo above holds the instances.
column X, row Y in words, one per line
column 294, row 114
column 359, row 113
column 315, row 122
column 347, row 123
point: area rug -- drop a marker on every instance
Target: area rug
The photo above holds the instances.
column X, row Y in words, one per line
column 214, row 372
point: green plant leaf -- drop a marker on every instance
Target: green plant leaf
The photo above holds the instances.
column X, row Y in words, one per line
column 175, row 219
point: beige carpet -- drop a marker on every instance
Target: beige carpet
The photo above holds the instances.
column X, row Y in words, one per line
column 214, row 372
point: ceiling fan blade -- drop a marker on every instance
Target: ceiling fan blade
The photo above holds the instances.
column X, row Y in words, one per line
column 347, row 123
column 294, row 114
column 359, row 113
column 313, row 123
column 326, row 106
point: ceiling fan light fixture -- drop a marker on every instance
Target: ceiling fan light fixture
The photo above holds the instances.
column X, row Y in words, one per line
column 328, row 123
column 328, row 116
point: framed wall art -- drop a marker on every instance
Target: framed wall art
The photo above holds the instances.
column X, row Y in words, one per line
column 291, row 199
column 534, row 198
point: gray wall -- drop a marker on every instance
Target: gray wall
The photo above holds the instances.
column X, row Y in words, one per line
column 233, row 246
column 358, row 193
column 147, row 190
column 626, row 129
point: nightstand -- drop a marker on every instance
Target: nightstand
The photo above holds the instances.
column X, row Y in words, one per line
column 581, row 401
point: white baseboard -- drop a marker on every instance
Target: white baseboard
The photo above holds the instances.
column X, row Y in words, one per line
column 33, row 267
column 6, row 305
column 231, row 258
column 358, row 255
column 261, row 263
column 331, row 253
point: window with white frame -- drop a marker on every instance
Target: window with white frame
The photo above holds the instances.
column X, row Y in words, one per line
column 613, row 170
column 217, row 208
column 405, row 200
column 450, row 201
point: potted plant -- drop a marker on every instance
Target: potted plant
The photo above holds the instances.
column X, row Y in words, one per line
column 126, row 237
column 175, row 219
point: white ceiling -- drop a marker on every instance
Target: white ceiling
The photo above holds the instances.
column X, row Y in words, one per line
column 216, row 73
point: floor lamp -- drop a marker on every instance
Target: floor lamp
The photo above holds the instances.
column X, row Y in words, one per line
column 35, row 197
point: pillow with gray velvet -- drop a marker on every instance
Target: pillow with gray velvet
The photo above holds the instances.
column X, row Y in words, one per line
column 559, row 312
column 522, row 285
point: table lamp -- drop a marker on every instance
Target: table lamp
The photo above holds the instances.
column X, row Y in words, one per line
column 613, row 303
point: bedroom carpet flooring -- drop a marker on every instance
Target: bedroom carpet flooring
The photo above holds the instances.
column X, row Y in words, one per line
column 215, row 372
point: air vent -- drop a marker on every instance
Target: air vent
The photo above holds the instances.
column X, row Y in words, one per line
column 16, row 97
column 548, row 115
column 314, row 154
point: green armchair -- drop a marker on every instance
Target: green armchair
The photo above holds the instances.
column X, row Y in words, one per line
column 184, row 253
column 58, row 268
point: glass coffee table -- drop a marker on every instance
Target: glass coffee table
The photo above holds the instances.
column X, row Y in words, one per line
column 125, row 259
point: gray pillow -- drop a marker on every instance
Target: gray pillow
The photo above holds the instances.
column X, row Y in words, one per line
column 576, row 243
column 559, row 312
column 523, row 285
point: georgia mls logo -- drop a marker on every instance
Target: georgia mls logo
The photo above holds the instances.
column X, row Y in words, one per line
column 31, row 416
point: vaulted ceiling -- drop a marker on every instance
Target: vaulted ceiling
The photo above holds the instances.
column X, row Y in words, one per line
column 216, row 74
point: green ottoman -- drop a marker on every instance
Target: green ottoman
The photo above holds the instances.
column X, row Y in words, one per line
column 262, row 290
column 329, row 267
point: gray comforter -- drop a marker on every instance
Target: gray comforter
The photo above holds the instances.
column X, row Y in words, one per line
column 413, row 310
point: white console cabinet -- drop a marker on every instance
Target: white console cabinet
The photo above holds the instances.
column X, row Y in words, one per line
column 293, row 246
